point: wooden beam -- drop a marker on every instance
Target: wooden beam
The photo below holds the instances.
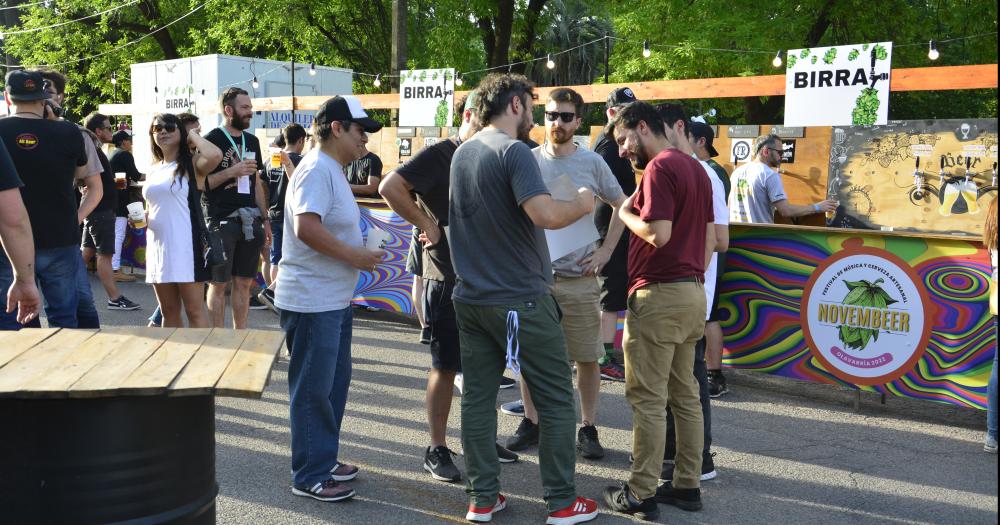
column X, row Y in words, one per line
column 980, row 76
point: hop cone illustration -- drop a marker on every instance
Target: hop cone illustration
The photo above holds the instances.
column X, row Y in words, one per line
column 865, row 294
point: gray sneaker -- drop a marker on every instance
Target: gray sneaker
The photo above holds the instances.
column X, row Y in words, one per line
column 990, row 445
column 438, row 462
column 329, row 490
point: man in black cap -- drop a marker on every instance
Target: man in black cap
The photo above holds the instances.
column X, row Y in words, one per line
column 18, row 250
column 323, row 252
column 122, row 161
column 50, row 158
column 614, row 275
column 700, row 136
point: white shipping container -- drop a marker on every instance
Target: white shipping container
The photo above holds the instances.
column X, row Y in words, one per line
column 195, row 84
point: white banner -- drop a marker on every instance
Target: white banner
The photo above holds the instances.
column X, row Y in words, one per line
column 426, row 97
column 838, row 86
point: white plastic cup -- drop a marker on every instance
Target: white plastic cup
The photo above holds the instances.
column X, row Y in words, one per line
column 136, row 215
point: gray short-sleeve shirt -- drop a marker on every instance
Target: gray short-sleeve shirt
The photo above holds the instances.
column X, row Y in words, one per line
column 587, row 170
column 499, row 255
column 755, row 189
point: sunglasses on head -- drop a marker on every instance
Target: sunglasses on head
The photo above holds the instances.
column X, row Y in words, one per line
column 566, row 116
column 168, row 127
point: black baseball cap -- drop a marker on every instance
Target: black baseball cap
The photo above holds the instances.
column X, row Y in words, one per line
column 121, row 136
column 345, row 107
column 700, row 130
column 621, row 96
column 26, row 86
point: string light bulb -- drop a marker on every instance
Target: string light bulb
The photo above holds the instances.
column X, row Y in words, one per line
column 114, row 78
column 777, row 60
column 378, row 80
column 645, row 49
column 932, row 50
column 312, row 69
column 458, row 80
column 254, row 83
column 549, row 63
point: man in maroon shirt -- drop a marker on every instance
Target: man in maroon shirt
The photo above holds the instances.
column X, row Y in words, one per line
column 671, row 218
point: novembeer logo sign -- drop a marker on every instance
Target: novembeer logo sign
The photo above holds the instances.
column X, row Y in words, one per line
column 864, row 315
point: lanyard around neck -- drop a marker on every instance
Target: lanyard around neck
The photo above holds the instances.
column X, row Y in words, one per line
column 243, row 141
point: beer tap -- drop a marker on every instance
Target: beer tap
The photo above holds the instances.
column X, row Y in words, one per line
column 872, row 77
column 968, row 166
column 994, row 182
column 941, row 174
column 918, row 181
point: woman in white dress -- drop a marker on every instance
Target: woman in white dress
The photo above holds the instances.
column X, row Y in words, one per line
column 175, row 262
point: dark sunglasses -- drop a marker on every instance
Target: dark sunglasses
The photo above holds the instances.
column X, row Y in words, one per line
column 566, row 116
column 168, row 127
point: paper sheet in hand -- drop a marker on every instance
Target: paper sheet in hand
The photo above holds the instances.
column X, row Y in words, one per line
column 576, row 235
column 376, row 239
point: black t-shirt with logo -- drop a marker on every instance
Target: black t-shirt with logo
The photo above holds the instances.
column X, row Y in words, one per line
column 359, row 171
column 123, row 162
column 222, row 201
column 8, row 173
column 46, row 154
column 277, row 183
column 109, row 199
column 624, row 174
column 428, row 172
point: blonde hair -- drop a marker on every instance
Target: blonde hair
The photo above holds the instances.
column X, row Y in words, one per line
column 990, row 228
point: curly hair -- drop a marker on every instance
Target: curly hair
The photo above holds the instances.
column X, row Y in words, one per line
column 990, row 229
column 495, row 93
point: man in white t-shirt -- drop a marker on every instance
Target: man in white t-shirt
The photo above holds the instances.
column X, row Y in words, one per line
column 675, row 121
column 323, row 252
column 757, row 189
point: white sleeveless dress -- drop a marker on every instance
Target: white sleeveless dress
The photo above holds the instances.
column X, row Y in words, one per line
column 169, row 246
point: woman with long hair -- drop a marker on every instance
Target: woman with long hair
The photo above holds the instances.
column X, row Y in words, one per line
column 175, row 256
column 990, row 240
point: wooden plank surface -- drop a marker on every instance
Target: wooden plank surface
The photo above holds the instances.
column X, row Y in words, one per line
column 160, row 369
column 56, row 382
column 14, row 343
column 106, row 378
column 206, row 367
column 247, row 374
column 40, row 359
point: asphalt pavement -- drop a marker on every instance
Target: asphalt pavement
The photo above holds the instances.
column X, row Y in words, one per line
column 787, row 451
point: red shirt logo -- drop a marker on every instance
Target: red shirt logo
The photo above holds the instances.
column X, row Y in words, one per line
column 27, row 141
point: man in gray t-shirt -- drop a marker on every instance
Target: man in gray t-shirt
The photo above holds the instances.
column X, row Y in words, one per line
column 576, row 289
column 757, row 189
column 497, row 210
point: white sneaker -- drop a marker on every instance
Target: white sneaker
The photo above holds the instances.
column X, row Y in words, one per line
column 459, row 381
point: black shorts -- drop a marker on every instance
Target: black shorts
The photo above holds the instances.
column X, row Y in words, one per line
column 99, row 232
column 415, row 257
column 614, row 279
column 439, row 314
column 242, row 256
column 720, row 268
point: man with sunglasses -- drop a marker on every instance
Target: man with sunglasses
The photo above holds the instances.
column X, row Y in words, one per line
column 576, row 288
column 497, row 210
column 50, row 159
column 757, row 189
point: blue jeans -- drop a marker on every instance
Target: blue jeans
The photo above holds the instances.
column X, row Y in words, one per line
column 991, row 395
column 86, row 312
column 57, row 271
column 319, row 375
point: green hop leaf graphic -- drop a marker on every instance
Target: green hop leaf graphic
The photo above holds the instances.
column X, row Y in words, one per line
column 830, row 55
column 853, row 55
column 792, row 59
column 814, row 59
column 441, row 115
column 864, row 47
column 881, row 53
column 804, row 53
column 863, row 294
column 865, row 111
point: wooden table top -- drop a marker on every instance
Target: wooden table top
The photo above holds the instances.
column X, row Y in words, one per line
column 136, row 361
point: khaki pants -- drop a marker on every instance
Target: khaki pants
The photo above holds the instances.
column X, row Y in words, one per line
column 579, row 299
column 663, row 323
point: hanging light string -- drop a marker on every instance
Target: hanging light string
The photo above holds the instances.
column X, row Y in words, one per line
column 67, row 22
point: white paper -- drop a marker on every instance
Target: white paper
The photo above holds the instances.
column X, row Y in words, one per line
column 576, row 235
column 376, row 239
column 243, row 184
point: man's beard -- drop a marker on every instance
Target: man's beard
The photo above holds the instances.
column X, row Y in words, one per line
column 240, row 122
column 524, row 130
column 641, row 159
column 555, row 138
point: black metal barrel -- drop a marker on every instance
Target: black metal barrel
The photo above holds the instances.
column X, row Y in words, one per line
column 135, row 460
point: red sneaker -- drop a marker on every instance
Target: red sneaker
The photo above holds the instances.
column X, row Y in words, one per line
column 485, row 514
column 581, row 510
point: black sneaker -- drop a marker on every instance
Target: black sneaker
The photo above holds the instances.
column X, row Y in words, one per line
column 707, row 468
column 122, row 303
column 438, row 462
column 255, row 303
column 717, row 384
column 525, row 436
column 620, row 499
column 506, row 382
column 266, row 296
column 685, row 499
column 506, row 456
column 587, row 443
column 329, row 490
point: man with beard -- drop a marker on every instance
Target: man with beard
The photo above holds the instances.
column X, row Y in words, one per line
column 237, row 208
column 757, row 189
column 671, row 218
column 498, row 207
column 576, row 288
